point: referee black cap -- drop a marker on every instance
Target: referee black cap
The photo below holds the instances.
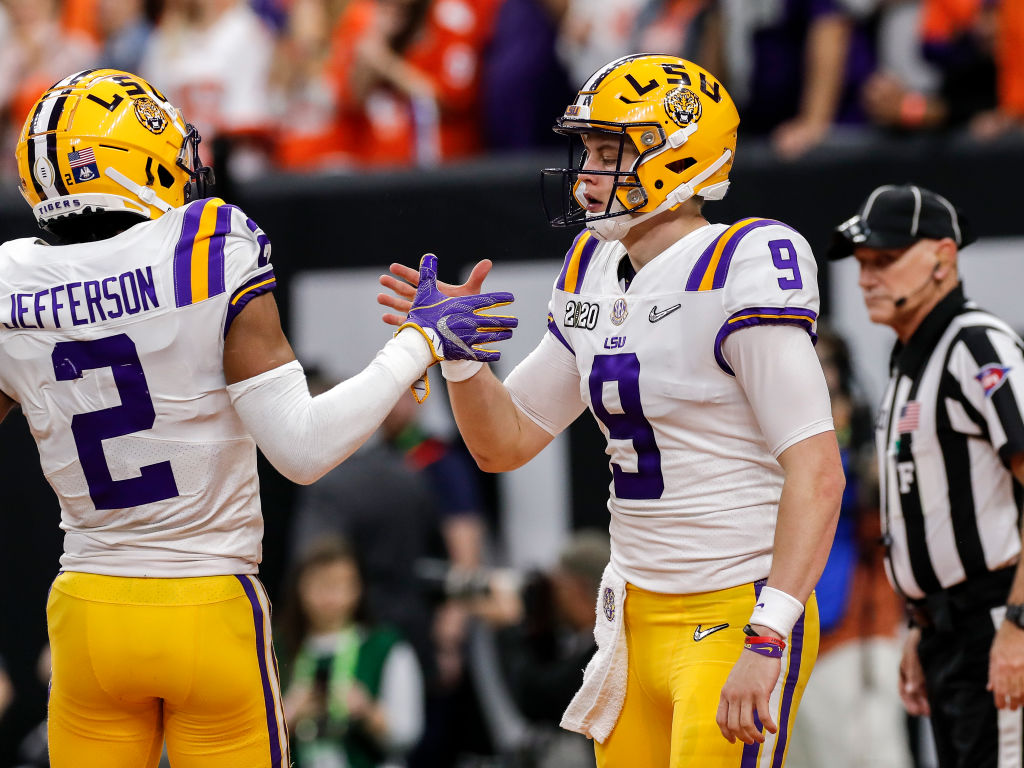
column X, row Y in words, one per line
column 897, row 217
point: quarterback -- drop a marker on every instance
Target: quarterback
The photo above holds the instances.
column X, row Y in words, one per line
column 691, row 344
column 146, row 352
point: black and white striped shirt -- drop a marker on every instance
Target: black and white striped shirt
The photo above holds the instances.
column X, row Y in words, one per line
column 950, row 423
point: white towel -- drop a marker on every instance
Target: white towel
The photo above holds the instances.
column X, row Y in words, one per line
column 595, row 708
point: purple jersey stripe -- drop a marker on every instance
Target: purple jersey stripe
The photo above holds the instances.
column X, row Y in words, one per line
column 586, row 241
column 261, row 654
column 803, row 318
column 730, row 248
column 216, row 267
column 250, row 289
column 183, row 254
column 553, row 327
column 796, row 653
column 585, row 257
column 697, row 273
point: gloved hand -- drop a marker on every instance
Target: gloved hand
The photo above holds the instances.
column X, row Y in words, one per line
column 455, row 327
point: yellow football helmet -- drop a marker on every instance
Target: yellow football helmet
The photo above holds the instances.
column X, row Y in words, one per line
column 105, row 140
column 679, row 119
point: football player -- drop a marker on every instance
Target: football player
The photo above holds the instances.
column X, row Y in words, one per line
column 147, row 354
column 691, row 343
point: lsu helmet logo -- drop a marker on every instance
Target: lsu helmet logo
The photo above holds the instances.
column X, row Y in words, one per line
column 992, row 377
column 683, row 106
column 150, row 115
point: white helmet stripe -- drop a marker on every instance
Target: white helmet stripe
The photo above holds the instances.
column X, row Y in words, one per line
column 40, row 126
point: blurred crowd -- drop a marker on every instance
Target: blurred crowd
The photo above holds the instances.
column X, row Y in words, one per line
column 336, row 85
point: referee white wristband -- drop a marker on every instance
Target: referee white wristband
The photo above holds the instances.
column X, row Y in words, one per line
column 460, row 370
column 776, row 610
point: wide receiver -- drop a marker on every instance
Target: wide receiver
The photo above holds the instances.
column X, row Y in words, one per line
column 691, row 343
column 147, row 355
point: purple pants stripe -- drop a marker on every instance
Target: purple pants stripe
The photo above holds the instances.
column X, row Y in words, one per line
column 183, row 254
column 796, row 647
column 262, row 653
column 796, row 652
column 750, row 751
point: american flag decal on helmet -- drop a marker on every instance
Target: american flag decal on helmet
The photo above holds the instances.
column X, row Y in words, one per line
column 83, row 164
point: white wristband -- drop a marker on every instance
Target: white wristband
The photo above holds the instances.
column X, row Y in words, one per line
column 776, row 610
column 460, row 370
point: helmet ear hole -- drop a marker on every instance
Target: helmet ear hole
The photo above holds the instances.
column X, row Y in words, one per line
column 166, row 177
column 679, row 166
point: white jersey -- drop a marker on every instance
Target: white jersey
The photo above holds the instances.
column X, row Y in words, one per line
column 695, row 489
column 114, row 350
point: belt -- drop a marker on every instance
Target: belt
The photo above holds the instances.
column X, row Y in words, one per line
column 948, row 609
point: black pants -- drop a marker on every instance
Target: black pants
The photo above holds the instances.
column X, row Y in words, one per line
column 954, row 653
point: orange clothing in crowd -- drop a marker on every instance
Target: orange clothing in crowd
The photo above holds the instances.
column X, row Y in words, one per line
column 81, row 16
column 387, row 127
column 945, row 19
column 1010, row 57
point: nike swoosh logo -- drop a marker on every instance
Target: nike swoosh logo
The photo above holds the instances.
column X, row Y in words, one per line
column 444, row 330
column 700, row 634
column 655, row 315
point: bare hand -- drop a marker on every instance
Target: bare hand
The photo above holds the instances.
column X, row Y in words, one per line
column 403, row 281
column 882, row 96
column 747, row 691
column 358, row 700
column 913, row 690
column 794, row 138
column 1006, row 667
column 299, row 702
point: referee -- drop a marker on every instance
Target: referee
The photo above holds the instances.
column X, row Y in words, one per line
column 950, row 439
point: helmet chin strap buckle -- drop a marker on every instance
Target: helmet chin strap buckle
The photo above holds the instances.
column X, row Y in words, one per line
column 145, row 194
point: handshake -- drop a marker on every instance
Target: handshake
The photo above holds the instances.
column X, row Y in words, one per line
column 454, row 326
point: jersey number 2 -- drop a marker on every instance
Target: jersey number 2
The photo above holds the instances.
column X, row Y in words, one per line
column 135, row 413
column 629, row 424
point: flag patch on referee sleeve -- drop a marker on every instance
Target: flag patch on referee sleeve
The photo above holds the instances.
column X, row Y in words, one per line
column 992, row 377
column 910, row 417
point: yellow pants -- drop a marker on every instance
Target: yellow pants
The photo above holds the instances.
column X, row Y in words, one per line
column 136, row 661
column 676, row 674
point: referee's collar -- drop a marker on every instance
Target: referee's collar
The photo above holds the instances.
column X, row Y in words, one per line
column 910, row 359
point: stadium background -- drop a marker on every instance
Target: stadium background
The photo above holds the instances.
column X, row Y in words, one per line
column 353, row 226
column 335, row 231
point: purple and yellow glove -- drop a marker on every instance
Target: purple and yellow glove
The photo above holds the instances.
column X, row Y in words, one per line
column 455, row 327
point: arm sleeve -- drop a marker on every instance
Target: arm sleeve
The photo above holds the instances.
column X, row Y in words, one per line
column 304, row 436
column 546, row 386
column 770, row 277
column 780, row 374
column 401, row 696
column 989, row 367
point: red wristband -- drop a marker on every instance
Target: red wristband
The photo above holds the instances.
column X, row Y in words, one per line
column 765, row 646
